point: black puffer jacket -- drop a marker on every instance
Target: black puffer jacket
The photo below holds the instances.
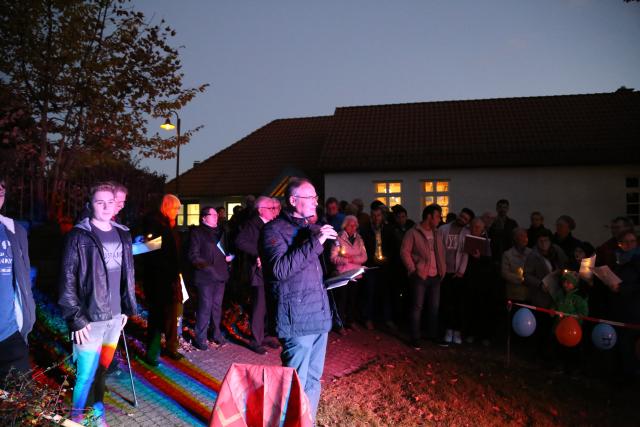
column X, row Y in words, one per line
column 84, row 292
column 289, row 251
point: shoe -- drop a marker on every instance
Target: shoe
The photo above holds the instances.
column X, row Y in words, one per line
column 151, row 362
column 448, row 336
column 271, row 342
column 220, row 342
column 415, row 344
column 457, row 337
column 443, row 343
column 369, row 325
column 175, row 355
column 258, row 349
column 200, row 346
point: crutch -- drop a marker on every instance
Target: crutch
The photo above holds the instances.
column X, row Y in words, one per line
column 126, row 352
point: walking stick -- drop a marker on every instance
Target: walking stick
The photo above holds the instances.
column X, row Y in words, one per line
column 126, row 352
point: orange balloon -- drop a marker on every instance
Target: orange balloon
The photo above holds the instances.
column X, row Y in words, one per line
column 569, row 332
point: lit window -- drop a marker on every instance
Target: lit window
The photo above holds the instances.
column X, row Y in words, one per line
column 633, row 199
column 389, row 192
column 192, row 216
column 437, row 191
column 229, row 208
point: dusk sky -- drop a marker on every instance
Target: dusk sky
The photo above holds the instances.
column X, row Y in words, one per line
column 277, row 59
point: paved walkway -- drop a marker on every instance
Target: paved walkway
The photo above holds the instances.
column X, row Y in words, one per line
column 165, row 393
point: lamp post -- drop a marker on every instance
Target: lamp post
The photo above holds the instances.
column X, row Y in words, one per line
column 167, row 125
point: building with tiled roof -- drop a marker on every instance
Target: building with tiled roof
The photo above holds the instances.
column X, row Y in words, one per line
column 571, row 154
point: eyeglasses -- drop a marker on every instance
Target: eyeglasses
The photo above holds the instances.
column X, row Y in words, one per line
column 307, row 197
column 267, row 207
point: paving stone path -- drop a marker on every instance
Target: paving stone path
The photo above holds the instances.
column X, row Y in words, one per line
column 159, row 408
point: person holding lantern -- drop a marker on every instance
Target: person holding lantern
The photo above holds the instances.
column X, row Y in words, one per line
column 348, row 253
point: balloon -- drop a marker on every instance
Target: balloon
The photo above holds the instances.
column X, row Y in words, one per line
column 524, row 322
column 604, row 336
column 569, row 332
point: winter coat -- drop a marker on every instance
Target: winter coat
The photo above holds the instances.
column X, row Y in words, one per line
column 162, row 267
column 626, row 302
column 290, row 251
column 368, row 235
column 348, row 256
column 84, row 291
column 415, row 252
column 247, row 243
column 512, row 260
column 24, row 302
column 207, row 258
column 535, row 269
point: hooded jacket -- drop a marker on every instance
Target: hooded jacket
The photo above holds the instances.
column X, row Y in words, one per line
column 84, row 291
column 24, row 304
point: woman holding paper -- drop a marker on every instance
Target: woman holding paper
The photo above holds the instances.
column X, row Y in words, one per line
column 348, row 253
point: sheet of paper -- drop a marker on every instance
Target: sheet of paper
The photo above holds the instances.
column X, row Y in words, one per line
column 607, row 276
column 185, row 294
column 149, row 246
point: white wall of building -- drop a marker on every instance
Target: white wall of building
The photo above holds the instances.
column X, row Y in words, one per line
column 592, row 195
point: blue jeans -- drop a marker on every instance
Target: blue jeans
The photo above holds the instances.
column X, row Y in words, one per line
column 93, row 358
column 429, row 288
column 306, row 355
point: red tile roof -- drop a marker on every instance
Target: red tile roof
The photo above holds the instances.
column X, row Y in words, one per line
column 251, row 165
column 535, row 131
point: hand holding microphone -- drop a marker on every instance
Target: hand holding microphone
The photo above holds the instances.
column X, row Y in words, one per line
column 326, row 232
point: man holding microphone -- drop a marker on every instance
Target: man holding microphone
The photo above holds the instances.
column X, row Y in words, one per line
column 290, row 247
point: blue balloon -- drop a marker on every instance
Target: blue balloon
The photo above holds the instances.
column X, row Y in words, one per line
column 604, row 336
column 524, row 322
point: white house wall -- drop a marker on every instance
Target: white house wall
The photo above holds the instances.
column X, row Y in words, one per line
column 591, row 195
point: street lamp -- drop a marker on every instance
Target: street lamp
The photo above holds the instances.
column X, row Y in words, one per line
column 167, row 125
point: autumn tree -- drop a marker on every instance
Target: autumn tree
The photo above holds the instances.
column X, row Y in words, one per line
column 90, row 75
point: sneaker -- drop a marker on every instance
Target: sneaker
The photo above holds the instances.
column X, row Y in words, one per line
column 271, row 342
column 443, row 343
column 200, row 346
column 175, row 355
column 448, row 336
column 258, row 349
column 457, row 337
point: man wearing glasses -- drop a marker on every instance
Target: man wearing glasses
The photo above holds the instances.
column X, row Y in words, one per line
column 210, row 276
column 247, row 242
column 290, row 248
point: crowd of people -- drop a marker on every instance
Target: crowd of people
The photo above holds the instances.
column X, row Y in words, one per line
column 444, row 280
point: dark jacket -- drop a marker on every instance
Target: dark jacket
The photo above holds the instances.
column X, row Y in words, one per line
column 247, row 242
column 289, row 251
column 568, row 244
column 625, row 304
column 536, row 268
column 84, row 292
column 501, row 235
column 388, row 243
column 204, row 254
column 161, row 267
column 21, row 271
